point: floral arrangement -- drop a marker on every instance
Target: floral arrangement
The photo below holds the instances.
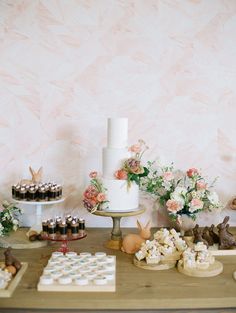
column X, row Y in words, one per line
column 95, row 194
column 182, row 193
column 9, row 215
column 132, row 169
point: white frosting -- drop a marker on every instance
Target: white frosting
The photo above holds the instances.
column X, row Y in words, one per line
column 121, row 198
column 112, row 160
column 117, row 132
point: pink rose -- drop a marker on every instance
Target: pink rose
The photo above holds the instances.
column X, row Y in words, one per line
column 196, row 204
column 90, row 193
column 135, row 148
column 192, row 172
column 121, row 174
column 173, row 206
column 101, row 197
column 168, row 176
column 89, row 204
column 133, row 166
column 201, row 185
column 93, row 174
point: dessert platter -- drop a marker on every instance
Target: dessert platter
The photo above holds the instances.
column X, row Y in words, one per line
column 35, row 190
column 199, row 262
column 72, row 272
column 69, row 229
column 162, row 252
column 11, row 272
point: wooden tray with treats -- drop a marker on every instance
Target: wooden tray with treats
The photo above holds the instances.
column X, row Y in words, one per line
column 8, row 291
column 213, row 270
column 166, row 263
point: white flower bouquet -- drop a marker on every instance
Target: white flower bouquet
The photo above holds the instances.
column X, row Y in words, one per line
column 9, row 215
column 182, row 193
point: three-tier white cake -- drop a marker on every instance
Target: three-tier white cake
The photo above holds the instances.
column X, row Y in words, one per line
column 121, row 197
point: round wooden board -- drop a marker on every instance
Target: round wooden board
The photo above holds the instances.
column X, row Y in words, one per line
column 213, row 270
column 19, row 240
column 154, row 267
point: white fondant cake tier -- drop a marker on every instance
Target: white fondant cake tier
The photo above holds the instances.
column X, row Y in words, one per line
column 117, row 133
column 112, row 160
column 121, row 198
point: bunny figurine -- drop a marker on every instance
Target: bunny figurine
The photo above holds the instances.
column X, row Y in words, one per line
column 36, row 177
column 198, row 233
column 132, row 242
column 227, row 240
column 213, row 235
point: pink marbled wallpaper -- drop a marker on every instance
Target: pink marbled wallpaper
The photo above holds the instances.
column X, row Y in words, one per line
column 67, row 65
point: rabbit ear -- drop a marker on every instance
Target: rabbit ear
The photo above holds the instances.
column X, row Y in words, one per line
column 139, row 225
column 226, row 219
column 147, row 226
column 32, row 171
column 40, row 170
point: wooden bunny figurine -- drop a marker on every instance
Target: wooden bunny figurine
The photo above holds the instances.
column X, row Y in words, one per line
column 226, row 239
column 36, row 177
column 132, row 242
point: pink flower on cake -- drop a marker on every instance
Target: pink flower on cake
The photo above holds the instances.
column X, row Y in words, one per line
column 101, row 197
column 135, row 148
column 192, row 172
column 133, row 165
column 93, row 174
column 196, row 204
column 91, row 192
column 95, row 194
column 173, row 206
column 168, row 176
column 201, row 185
column 121, row 174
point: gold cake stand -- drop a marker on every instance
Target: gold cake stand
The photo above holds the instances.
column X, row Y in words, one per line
column 116, row 234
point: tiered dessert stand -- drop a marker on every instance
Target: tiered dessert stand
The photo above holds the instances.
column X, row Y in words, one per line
column 37, row 226
column 116, row 234
column 64, row 240
column 19, row 239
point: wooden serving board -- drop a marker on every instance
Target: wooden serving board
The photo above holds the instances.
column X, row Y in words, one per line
column 109, row 287
column 213, row 270
column 19, row 240
column 6, row 293
column 154, row 267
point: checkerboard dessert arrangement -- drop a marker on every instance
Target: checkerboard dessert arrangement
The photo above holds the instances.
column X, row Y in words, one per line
column 79, row 272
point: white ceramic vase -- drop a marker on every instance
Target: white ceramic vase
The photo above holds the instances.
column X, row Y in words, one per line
column 184, row 223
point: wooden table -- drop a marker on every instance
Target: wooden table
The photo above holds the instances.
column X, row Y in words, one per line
column 137, row 289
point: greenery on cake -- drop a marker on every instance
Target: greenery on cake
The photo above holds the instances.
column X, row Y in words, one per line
column 132, row 169
column 95, row 194
column 185, row 193
column 9, row 218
